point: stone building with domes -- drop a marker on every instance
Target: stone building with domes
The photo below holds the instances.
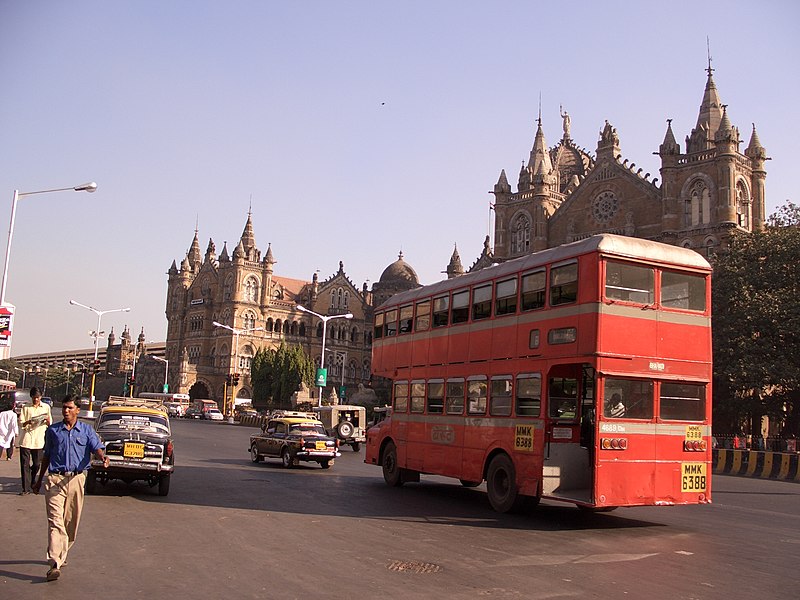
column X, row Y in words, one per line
column 242, row 291
column 565, row 193
column 397, row 277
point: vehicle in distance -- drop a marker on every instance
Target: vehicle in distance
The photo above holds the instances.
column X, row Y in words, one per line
column 138, row 441
column 213, row 414
column 193, row 412
column 175, row 409
column 346, row 422
column 294, row 437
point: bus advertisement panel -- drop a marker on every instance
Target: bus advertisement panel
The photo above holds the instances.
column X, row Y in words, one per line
column 580, row 373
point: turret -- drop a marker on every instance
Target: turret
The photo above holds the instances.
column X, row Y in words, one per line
column 758, row 155
column 454, row 268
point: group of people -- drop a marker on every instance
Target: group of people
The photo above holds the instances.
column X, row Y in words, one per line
column 58, row 456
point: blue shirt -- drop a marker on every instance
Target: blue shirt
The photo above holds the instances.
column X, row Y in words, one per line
column 70, row 449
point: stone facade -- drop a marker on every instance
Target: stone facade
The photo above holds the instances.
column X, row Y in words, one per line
column 564, row 193
column 242, row 291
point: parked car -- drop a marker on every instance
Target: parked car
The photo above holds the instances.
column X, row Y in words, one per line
column 294, row 437
column 138, row 440
column 346, row 422
column 47, row 400
column 175, row 409
column 213, row 414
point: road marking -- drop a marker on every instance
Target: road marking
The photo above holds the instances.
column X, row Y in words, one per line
column 549, row 559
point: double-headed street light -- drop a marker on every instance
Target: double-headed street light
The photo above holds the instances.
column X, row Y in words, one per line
column 24, row 372
column 97, row 334
column 325, row 320
column 236, row 334
column 8, row 310
column 166, row 371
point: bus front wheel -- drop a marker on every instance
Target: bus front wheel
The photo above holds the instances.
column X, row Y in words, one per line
column 391, row 471
column 501, row 486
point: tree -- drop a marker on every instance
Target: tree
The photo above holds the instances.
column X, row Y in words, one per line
column 277, row 374
column 756, row 323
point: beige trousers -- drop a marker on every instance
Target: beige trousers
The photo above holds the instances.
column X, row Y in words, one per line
column 64, row 501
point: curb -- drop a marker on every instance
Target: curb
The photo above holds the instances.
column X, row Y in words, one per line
column 757, row 463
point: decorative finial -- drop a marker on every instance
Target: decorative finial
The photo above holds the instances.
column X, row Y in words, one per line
column 709, row 70
column 250, row 208
column 539, row 120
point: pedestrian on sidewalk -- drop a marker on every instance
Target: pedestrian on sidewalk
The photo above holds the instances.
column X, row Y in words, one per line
column 68, row 450
column 8, row 430
column 34, row 420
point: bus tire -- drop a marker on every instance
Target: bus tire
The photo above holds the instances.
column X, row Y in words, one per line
column 501, row 486
column 469, row 484
column 392, row 473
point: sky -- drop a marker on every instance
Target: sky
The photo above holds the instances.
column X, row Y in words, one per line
column 353, row 130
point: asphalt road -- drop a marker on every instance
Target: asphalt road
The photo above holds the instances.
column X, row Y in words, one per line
column 234, row 529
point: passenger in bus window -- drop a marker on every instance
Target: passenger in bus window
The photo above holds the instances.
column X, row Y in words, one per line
column 614, row 407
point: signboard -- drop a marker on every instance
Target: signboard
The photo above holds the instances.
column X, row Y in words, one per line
column 166, row 388
column 342, row 391
column 6, row 322
column 322, row 377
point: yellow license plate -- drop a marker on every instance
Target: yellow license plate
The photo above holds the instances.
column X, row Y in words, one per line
column 693, row 477
column 322, row 446
column 133, row 450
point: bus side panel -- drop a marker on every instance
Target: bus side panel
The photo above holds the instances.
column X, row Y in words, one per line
column 402, row 351
column 420, row 349
column 415, row 443
column 480, row 341
column 443, row 448
column 504, row 338
column 476, row 440
column 438, row 346
column 458, row 349
column 529, row 463
column 628, row 336
column 686, row 342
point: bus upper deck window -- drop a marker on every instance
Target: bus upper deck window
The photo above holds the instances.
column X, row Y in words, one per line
column 441, row 311
column 684, row 291
column 533, row 290
column 630, row 283
column 460, row 311
column 378, row 331
column 406, row 318
column 481, row 302
column 506, row 297
column 423, row 318
column 564, row 284
column 390, row 325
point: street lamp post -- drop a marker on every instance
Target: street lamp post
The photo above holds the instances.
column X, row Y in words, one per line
column 97, row 334
column 166, row 371
column 24, row 372
column 325, row 320
column 86, row 187
column 236, row 334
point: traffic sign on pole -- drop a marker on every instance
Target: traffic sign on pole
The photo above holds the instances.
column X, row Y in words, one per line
column 166, row 388
column 322, row 377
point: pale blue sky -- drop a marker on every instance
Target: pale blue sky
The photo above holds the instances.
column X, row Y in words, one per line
column 359, row 128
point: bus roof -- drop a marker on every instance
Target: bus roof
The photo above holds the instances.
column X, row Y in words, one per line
column 606, row 244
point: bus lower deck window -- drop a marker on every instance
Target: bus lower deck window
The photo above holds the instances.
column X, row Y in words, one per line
column 455, row 397
column 529, row 395
column 435, row 397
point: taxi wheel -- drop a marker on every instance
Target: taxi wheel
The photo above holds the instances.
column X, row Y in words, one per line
column 163, row 485
column 254, row 454
column 325, row 464
column 356, row 446
column 391, row 471
column 286, row 459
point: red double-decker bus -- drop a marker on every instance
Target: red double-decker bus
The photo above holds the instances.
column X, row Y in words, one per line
column 581, row 373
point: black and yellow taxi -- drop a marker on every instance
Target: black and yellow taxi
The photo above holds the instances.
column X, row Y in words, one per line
column 138, row 440
column 294, row 437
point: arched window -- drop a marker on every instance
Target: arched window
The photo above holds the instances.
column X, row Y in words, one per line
column 354, row 334
column 319, row 330
column 520, row 235
column 249, row 320
column 346, row 298
column 227, row 288
column 245, row 358
column 333, row 298
column 302, row 329
column 270, row 325
column 223, row 356
column 251, row 289
column 365, row 370
column 293, row 329
column 698, row 211
column 286, row 327
column 742, row 206
column 278, row 325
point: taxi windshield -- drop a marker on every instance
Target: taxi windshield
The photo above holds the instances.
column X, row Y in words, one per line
column 133, row 422
column 307, row 429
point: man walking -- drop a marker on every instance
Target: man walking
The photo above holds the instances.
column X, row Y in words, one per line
column 33, row 422
column 68, row 449
column 8, row 429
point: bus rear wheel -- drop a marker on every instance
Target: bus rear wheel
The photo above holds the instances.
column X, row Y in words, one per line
column 501, row 486
column 391, row 471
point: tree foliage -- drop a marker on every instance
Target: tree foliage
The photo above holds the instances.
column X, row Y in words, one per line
column 277, row 374
column 756, row 323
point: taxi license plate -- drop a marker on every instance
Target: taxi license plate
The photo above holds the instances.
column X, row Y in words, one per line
column 133, row 450
column 693, row 477
column 322, row 446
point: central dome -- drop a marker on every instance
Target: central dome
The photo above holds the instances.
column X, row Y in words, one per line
column 399, row 272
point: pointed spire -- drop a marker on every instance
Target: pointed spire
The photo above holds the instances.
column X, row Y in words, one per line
column 238, row 252
column 224, row 256
column 502, row 186
column 248, row 239
column 269, row 258
column 185, row 266
column 754, row 149
column 194, row 251
column 141, row 336
column 709, row 118
column 669, row 145
column 726, row 131
column 539, row 162
column 173, row 269
column 455, row 268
